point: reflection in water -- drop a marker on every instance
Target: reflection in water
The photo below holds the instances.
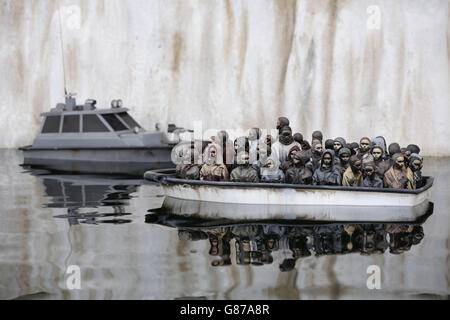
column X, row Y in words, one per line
column 148, row 261
column 77, row 192
column 283, row 245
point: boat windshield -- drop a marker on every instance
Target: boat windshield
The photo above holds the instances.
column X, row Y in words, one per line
column 114, row 122
column 51, row 124
column 128, row 120
column 71, row 123
column 91, row 123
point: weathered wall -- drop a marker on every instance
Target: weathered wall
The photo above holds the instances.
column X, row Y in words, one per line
column 235, row 64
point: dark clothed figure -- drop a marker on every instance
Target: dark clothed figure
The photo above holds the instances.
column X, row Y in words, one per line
column 298, row 137
column 189, row 168
column 327, row 174
column 288, row 163
column 344, row 158
column 371, row 179
column 305, row 145
column 263, row 155
column 284, row 144
column 414, row 148
column 297, row 173
column 317, row 135
column 364, row 147
column 254, row 135
column 411, row 148
column 244, row 172
column 339, row 143
column 381, row 165
column 329, row 144
column 282, row 122
column 352, row 176
column 241, row 144
column 271, row 172
column 227, row 148
column 380, row 142
column 416, row 164
column 354, row 148
column 393, row 148
column 213, row 168
column 316, row 156
column 398, row 176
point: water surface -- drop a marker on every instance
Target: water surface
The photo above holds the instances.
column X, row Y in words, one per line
column 49, row 222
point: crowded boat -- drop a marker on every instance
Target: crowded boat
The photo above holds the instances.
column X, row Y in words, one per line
column 292, row 159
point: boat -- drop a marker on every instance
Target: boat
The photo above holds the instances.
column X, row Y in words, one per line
column 84, row 139
column 250, row 201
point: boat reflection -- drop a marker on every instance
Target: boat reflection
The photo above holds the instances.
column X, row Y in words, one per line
column 283, row 244
column 87, row 197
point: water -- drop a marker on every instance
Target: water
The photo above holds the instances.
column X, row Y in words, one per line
column 101, row 224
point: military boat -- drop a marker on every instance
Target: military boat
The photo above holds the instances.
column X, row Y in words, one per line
column 84, row 139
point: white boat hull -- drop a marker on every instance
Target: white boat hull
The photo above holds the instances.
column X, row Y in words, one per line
column 292, row 196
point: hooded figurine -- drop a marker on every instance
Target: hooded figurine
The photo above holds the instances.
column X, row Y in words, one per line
column 371, row 179
column 270, row 172
column 354, row 148
column 282, row 122
column 398, row 176
column 288, row 163
column 298, row 137
column 411, row 148
column 344, row 157
column 329, row 144
column 297, row 173
column 316, row 156
column 241, row 144
column 227, row 147
column 416, row 164
column 364, row 147
column 338, row 144
column 381, row 165
column 414, row 148
column 244, row 172
column 393, row 148
column 254, row 136
column 284, row 144
column 380, row 142
column 263, row 154
column 317, row 135
column 352, row 176
column 213, row 168
column 189, row 168
column 327, row 174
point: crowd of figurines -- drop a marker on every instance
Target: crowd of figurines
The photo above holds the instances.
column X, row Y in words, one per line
column 284, row 245
column 292, row 159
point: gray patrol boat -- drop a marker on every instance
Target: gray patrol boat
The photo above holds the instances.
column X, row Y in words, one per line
column 82, row 138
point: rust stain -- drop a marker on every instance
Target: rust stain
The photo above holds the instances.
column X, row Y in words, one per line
column 329, row 56
column 285, row 25
column 177, row 47
column 243, row 43
column 229, row 30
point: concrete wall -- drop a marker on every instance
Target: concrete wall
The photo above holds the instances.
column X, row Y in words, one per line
column 351, row 68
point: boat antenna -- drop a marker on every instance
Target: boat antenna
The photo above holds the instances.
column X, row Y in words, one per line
column 62, row 48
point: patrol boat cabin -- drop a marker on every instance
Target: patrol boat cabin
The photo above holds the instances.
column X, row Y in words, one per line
column 82, row 138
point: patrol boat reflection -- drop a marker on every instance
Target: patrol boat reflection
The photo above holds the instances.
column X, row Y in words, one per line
column 87, row 196
column 282, row 244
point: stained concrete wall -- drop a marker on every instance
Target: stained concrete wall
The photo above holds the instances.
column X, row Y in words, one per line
column 350, row 68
